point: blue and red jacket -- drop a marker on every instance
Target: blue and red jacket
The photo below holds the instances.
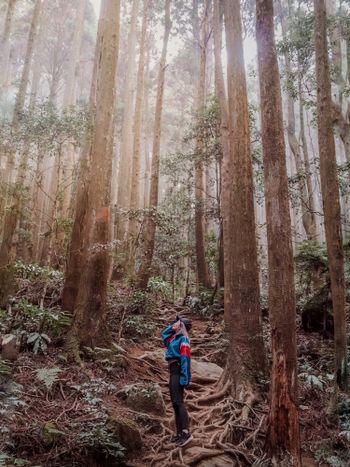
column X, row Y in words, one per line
column 178, row 347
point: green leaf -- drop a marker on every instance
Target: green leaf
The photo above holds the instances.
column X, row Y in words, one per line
column 32, row 337
column 48, row 376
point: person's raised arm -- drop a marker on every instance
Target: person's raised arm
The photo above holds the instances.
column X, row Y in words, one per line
column 185, row 360
column 167, row 334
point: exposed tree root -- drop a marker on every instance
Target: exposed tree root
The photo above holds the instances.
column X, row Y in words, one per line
column 229, row 427
column 219, row 424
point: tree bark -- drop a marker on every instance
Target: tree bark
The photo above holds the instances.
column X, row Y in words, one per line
column 330, row 193
column 246, row 359
column 283, row 422
column 124, row 174
column 149, row 225
column 203, row 277
column 89, row 315
column 20, row 98
column 146, row 128
column 77, row 246
column 136, row 160
column 225, row 142
column 13, row 211
column 69, row 99
column 308, row 175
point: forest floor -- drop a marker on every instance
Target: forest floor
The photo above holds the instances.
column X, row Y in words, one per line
column 55, row 413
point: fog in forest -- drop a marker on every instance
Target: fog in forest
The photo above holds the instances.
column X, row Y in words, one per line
column 174, row 233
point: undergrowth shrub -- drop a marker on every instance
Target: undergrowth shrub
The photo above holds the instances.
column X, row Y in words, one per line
column 138, row 327
column 25, row 316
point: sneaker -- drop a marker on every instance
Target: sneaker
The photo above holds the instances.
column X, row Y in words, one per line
column 184, row 439
column 175, row 438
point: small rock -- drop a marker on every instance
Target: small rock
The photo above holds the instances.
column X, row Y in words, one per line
column 220, row 460
column 205, row 370
column 126, row 432
column 145, row 397
column 10, row 347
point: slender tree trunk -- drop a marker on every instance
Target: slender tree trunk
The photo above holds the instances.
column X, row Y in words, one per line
column 66, row 170
column 202, row 266
column 246, row 359
column 307, row 216
column 283, row 423
column 225, row 142
column 89, row 315
column 149, row 225
column 77, row 246
column 14, row 210
column 124, row 174
column 146, row 129
column 69, row 99
column 37, row 206
column 336, row 48
column 136, row 160
column 310, row 190
column 23, row 85
column 5, row 44
column 330, row 193
column 49, row 249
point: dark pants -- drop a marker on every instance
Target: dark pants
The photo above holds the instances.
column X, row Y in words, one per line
column 177, row 397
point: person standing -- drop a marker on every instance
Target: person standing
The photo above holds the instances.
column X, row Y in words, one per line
column 178, row 356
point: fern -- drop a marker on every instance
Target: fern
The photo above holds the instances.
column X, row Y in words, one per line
column 3, row 459
column 39, row 341
column 5, row 370
column 313, row 381
column 48, row 376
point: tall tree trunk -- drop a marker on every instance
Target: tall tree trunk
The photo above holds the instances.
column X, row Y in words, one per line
column 330, row 193
column 246, row 359
column 77, row 246
column 146, row 128
column 336, row 48
column 136, row 159
column 310, row 190
column 23, row 85
column 64, row 184
column 283, row 423
column 5, row 44
column 89, row 315
column 13, row 211
column 307, row 215
column 20, row 98
column 225, row 143
column 149, row 225
column 202, row 266
column 124, row 173
column 69, row 99
column 52, row 208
